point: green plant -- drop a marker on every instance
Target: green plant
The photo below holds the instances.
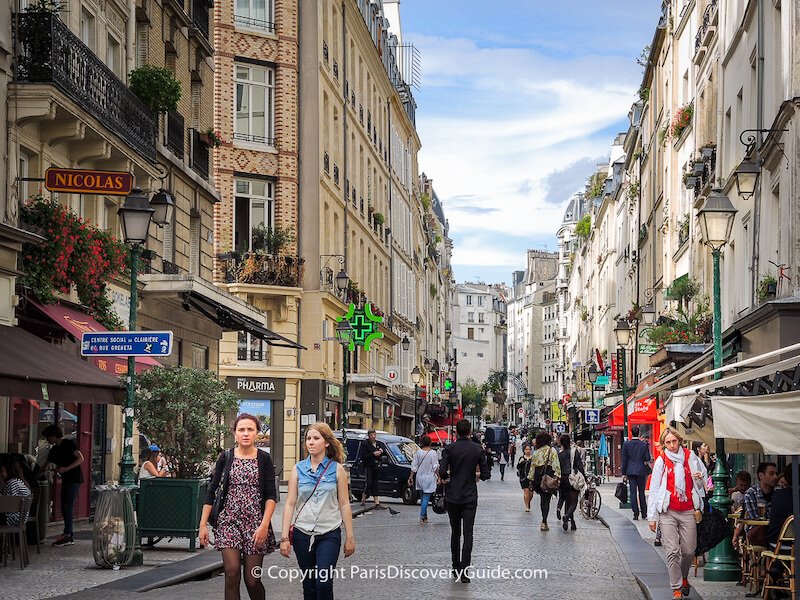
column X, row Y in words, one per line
column 644, row 57
column 584, row 313
column 663, row 135
column 270, row 240
column 473, row 397
column 42, row 6
column 156, row 87
column 683, row 290
column 378, row 218
column 766, row 287
column 632, row 192
column 596, row 184
column 690, row 327
column 644, row 94
column 433, row 290
column 182, row 410
column 426, row 202
column 583, row 228
column 215, row 138
column 681, row 120
column 72, row 253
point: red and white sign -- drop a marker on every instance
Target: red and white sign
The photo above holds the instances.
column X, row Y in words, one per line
column 392, row 374
column 521, row 412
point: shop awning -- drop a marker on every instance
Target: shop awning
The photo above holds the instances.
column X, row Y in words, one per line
column 76, row 323
column 667, row 382
column 644, row 411
column 773, row 420
column 34, row 369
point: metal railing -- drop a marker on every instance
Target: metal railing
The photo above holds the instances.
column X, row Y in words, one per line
column 336, row 174
column 200, row 155
column 258, row 139
column 200, row 16
column 265, row 269
column 324, row 50
column 253, row 23
column 174, row 135
column 708, row 16
column 326, row 162
column 48, row 52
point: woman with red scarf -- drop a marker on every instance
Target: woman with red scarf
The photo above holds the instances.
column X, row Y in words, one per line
column 675, row 502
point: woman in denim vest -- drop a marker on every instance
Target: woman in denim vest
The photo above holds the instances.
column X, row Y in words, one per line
column 317, row 506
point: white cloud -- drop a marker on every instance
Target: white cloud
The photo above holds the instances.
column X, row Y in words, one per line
column 519, row 117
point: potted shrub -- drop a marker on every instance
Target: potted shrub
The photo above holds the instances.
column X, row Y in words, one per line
column 156, row 87
column 767, row 288
column 378, row 218
column 182, row 410
column 211, row 138
column 698, row 167
column 689, row 180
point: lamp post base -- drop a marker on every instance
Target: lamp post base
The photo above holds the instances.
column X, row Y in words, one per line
column 721, row 572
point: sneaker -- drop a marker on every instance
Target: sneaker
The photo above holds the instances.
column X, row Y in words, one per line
column 63, row 540
column 685, row 587
column 544, row 527
column 635, row 517
column 657, row 542
column 573, row 527
column 565, row 523
column 676, row 594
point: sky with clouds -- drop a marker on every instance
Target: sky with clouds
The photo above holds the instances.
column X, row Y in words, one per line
column 519, row 101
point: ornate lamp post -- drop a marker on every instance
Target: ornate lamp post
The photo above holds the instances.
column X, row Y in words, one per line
column 416, row 377
column 623, row 333
column 716, row 223
column 344, row 332
column 592, row 374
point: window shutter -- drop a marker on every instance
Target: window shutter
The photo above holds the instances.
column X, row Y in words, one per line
column 194, row 246
column 141, row 44
column 169, row 241
column 196, row 87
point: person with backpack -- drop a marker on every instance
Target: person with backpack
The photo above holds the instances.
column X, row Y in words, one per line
column 571, row 463
column 523, row 466
column 424, row 468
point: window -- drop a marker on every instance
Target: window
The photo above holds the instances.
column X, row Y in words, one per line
column 23, row 189
column 255, row 99
column 480, row 300
column 470, row 333
column 253, row 211
column 480, row 354
column 256, row 14
column 469, row 300
column 471, row 317
column 250, row 348
column 114, row 56
column 199, row 356
column 480, row 317
column 87, row 28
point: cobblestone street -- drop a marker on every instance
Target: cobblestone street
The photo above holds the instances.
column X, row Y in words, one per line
column 505, row 536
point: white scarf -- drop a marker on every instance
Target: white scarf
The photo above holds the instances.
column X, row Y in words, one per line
column 680, row 474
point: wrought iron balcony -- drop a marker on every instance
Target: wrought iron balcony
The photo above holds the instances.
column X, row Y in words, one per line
column 326, row 162
column 325, row 51
column 265, row 269
column 48, row 52
column 200, row 155
column 200, row 16
column 252, row 23
column 336, row 174
column 174, row 137
column 335, row 69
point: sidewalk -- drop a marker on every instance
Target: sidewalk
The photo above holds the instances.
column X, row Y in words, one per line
column 621, row 521
column 59, row 571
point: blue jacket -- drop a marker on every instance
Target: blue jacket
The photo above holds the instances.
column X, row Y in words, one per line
column 635, row 456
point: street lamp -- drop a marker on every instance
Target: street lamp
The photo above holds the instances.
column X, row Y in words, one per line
column 134, row 215
column 344, row 333
column 405, row 344
column 164, row 206
column 592, row 375
column 416, row 377
column 716, row 223
column 342, row 280
column 623, row 333
column 746, row 177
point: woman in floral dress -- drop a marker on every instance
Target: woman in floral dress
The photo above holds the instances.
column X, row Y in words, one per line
column 244, row 477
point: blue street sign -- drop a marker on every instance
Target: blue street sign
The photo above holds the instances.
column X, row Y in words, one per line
column 592, row 416
column 561, row 428
column 126, row 343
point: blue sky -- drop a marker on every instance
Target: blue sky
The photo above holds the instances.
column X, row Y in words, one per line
column 519, row 101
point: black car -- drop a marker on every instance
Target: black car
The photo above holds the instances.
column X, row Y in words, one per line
column 394, row 469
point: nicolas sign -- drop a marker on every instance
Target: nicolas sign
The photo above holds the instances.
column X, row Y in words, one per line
column 82, row 181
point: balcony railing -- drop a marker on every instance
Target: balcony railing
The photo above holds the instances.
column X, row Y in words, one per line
column 325, row 51
column 265, row 269
column 200, row 16
column 335, row 69
column 336, row 174
column 174, row 134
column 326, row 162
column 252, row 23
column 200, row 155
column 48, row 52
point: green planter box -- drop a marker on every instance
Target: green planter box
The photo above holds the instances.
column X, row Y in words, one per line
column 171, row 508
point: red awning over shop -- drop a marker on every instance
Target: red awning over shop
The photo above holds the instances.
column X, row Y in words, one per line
column 76, row 323
column 644, row 411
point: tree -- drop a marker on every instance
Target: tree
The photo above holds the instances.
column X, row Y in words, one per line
column 182, row 410
column 473, row 397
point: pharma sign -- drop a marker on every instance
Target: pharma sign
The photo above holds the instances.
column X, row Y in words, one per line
column 82, row 181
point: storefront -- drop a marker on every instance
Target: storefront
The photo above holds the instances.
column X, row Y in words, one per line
column 264, row 397
column 322, row 399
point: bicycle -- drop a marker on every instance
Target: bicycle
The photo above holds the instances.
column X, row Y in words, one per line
column 590, row 501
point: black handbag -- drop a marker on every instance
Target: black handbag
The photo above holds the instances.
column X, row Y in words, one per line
column 712, row 530
column 621, row 493
column 438, row 500
column 217, row 506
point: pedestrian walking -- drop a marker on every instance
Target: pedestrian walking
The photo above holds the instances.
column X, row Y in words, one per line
column 543, row 462
column 502, row 461
column 371, row 457
column 523, row 466
column 67, row 459
column 424, row 468
column 635, row 469
column 242, row 493
column 457, row 469
column 570, row 461
column 675, row 503
column 317, row 506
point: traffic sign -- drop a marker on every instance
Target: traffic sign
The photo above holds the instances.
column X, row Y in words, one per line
column 547, row 421
column 561, row 427
column 392, row 374
column 592, row 417
column 521, row 412
column 602, row 380
column 126, row 343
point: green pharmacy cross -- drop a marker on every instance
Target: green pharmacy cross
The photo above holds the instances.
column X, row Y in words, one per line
column 364, row 324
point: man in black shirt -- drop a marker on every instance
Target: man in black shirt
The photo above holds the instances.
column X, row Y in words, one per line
column 459, row 469
column 67, row 458
column 370, row 457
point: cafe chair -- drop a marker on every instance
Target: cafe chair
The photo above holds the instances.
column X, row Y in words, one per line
column 780, row 576
column 22, row 505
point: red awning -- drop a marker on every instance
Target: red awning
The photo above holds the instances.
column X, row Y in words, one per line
column 76, row 323
column 644, row 411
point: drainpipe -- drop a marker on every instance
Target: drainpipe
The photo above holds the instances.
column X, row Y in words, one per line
column 299, row 160
column 391, row 206
column 130, row 51
column 344, row 130
column 759, row 140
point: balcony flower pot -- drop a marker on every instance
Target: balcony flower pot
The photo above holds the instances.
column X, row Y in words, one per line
column 691, row 182
column 205, row 139
column 707, row 151
column 698, row 168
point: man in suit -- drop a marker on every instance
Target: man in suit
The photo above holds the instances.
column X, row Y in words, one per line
column 635, row 469
column 461, row 464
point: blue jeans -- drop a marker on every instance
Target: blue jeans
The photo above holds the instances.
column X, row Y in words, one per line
column 69, row 493
column 423, row 509
column 318, row 562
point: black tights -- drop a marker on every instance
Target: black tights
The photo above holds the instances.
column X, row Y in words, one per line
column 232, row 562
column 544, row 502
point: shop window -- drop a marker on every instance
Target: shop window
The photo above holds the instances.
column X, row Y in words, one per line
column 251, row 348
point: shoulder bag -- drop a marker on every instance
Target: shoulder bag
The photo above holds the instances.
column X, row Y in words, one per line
column 438, row 500
column 550, row 483
column 576, row 478
column 217, row 506
column 291, row 527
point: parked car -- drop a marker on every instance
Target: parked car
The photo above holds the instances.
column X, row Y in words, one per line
column 394, row 469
